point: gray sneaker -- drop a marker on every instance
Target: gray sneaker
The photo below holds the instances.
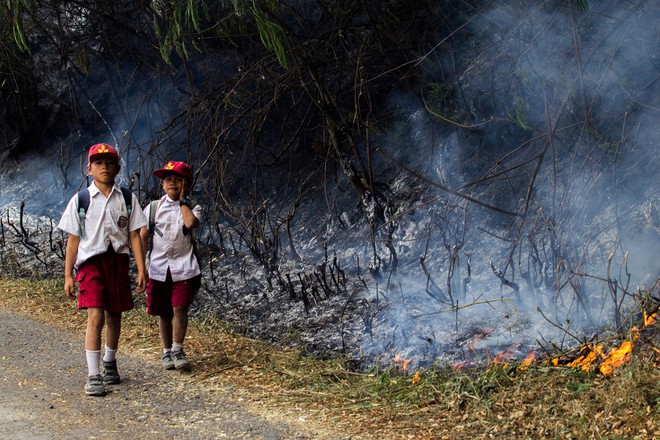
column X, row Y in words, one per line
column 168, row 363
column 94, row 386
column 180, row 361
column 110, row 373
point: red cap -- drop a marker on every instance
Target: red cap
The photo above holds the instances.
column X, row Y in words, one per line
column 102, row 151
column 180, row 168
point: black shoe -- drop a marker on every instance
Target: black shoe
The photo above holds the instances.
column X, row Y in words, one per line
column 180, row 361
column 110, row 373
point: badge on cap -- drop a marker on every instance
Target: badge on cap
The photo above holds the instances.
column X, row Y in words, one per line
column 173, row 167
column 102, row 151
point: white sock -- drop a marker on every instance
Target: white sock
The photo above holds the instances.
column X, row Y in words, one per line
column 110, row 354
column 167, row 350
column 93, row 358
column 177, row 346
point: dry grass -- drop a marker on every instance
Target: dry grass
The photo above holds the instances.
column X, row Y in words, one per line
column 501, row 402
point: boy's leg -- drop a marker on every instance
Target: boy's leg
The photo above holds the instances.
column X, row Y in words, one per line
column 112, row 330
column 180, row 326
column 95, row 321
column 165, row 330
column 159, row 303
column 112, row 333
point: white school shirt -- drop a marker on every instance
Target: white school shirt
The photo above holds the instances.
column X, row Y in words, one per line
column 173, row 249
column 106, row 223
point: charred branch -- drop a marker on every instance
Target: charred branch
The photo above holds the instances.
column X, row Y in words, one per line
column 468, row 277
column 55, row 246
column 498, row 273
column 432, row 289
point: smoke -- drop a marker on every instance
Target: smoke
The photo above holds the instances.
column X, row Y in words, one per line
column 132, row 119
column 541, row 120
column 562, row 114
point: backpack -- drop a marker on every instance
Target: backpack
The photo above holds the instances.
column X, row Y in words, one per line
column 153, row 206
column 83, row 205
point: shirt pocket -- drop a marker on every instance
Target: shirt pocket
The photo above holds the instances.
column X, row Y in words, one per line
column 119, row 219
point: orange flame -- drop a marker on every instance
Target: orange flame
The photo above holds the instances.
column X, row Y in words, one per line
column 649, row 319
column 502, row 359
column 528, row 361
column 616, row 358
column 585, row 361
column 402, row 363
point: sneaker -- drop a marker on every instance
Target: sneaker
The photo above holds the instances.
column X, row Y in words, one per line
column 180, row 361
column 110, row 373
column 168, row 363
column 94, row 386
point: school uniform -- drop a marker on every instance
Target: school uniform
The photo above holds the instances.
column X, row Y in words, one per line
column 102, row 262
column 173, row 267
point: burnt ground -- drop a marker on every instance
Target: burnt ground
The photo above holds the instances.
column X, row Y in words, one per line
column 335, row 304
column 41, row 389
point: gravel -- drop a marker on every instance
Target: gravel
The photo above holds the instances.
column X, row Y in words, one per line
column 41, row 395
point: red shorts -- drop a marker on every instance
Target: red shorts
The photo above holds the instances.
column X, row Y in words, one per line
column 163, row 296
column 104, row 282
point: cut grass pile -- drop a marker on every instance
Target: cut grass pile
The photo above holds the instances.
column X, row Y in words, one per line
column 498, row 401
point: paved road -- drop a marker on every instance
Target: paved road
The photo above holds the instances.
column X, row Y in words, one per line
column 42, row 373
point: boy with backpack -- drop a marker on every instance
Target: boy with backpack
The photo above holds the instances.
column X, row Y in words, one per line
column 174, row 272
column 101, row 221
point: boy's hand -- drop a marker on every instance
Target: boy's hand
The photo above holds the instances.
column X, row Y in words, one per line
column 141, row 283
column 69, row 287
column 184, row 190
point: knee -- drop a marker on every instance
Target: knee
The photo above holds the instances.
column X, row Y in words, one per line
column 181, row 312
column 113, row 319
column 95, row 318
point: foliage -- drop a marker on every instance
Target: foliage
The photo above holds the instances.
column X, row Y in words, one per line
column 178, row 18
column 14, row 9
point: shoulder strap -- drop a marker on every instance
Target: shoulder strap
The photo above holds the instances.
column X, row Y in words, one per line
column 83, row 204
column 152, row 216
column 153, row 206
column 128, row 200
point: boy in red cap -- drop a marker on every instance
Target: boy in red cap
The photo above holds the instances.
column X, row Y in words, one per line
column 174, row 271
column 98, row 249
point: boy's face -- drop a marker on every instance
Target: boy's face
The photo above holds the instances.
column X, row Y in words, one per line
column 103, row 171
column 174, row 186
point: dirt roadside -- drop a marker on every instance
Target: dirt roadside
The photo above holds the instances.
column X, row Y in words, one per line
column 42, row 372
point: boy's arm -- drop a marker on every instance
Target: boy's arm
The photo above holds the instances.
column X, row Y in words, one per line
column 138, row 253
column 144, row 237
column 190, row 221
column 71, row 254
